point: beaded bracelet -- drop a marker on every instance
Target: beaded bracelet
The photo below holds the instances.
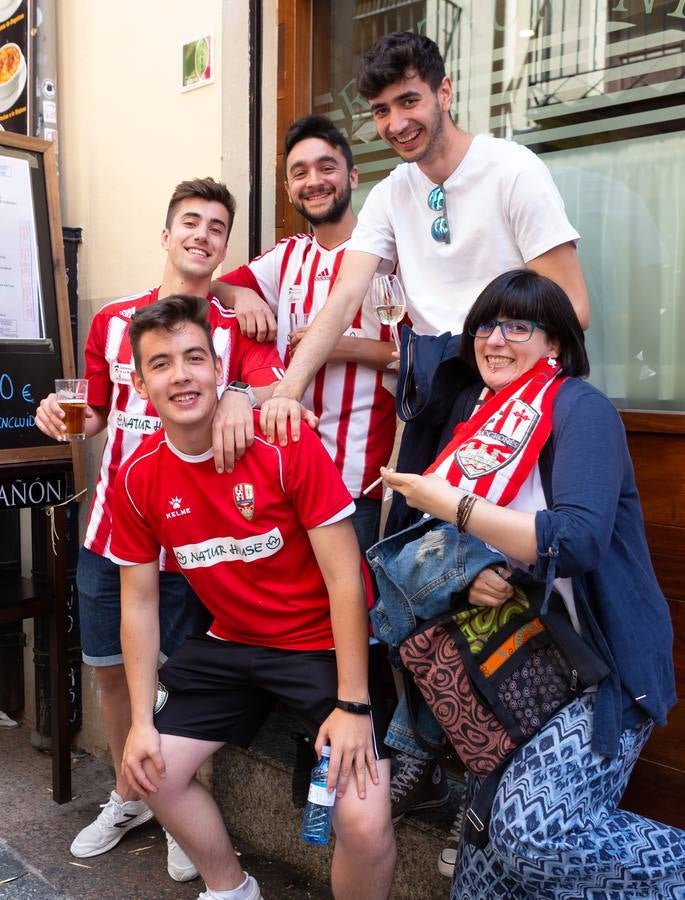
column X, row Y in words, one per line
column 464, row 510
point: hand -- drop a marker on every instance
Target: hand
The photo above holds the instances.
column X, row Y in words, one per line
column 429, row 493
column 296, row 336
column 489, row 587
column 255, row 317
column 49, row 417
column 274, row 416
column 142, row 743
column 308, row 417
column 351, row 750
column 232, row 429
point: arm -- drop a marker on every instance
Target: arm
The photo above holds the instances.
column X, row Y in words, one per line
column 254, row 314
column 562, row 265
column 590, row 462
column 510, row 530
column 337, row 553
column 140, row 645
column 364, row 351
column 233, row 425
column 50, row 418
column 353, row 279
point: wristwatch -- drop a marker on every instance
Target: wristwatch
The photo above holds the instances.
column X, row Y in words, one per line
column 241, row 387
column 359, row 709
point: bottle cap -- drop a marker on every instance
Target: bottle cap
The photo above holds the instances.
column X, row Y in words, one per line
column 326, row 751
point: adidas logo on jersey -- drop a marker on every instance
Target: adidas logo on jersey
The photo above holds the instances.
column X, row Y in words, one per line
column 324, row 275
column 128, row 313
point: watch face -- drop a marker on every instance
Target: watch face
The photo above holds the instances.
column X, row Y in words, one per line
column 239, row 385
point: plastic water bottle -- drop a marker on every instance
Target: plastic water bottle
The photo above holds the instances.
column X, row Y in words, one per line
column 318, row 813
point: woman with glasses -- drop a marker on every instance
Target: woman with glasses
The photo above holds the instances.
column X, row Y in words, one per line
column 540, row 470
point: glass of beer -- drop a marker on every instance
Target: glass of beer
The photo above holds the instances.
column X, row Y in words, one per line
column 72, row 396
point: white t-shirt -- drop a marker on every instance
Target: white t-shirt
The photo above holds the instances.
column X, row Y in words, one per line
column 355, row 404
column 503, row 210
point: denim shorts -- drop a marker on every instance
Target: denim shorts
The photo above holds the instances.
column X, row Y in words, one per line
column 97, row 580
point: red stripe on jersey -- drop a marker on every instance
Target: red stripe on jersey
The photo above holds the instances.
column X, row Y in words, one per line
column 344, row 421
column 286, row 256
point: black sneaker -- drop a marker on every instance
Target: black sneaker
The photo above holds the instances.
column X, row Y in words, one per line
column 416, row 784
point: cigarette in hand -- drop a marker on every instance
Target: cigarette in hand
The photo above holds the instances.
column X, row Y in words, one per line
column 374, row 483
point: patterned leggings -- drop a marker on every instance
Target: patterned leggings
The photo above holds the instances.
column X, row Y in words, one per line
column 556, row 832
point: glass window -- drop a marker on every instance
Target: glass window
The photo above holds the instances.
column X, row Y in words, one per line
column 594, row 87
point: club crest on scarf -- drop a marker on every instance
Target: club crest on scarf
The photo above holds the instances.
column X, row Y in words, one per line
column 243, row 497
column 498, row 440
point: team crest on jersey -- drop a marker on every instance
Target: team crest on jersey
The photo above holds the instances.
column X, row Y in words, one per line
column 243, row 497
column 488, row 450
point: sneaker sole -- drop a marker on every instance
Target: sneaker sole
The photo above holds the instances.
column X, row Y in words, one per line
column 142, row 819
column 445, row 868
column 179, row 875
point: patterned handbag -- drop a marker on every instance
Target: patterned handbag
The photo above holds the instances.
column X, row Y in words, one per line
column 493, row 676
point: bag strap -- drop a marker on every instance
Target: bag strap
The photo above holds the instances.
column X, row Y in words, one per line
column 476, row 823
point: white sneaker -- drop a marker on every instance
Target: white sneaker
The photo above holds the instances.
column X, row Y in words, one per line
column 448, row 855
column 179, row 865
column 250, row 891
column 117, row 817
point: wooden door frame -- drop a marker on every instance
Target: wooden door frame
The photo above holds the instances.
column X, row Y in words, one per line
column 293, row 97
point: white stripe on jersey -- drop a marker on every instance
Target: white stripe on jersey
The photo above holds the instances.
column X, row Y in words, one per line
column 355, row 403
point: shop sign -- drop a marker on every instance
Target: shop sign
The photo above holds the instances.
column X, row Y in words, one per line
column 41, row 490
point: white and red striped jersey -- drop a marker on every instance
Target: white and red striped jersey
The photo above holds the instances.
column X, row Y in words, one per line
column 109, row 363
column 355, row 404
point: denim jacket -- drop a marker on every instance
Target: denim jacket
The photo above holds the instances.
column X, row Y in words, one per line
column 419, row 572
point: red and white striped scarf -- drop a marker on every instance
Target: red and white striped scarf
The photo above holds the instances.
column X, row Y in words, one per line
column 493, row 452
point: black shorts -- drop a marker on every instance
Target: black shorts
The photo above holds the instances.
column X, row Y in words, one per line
column 215, row 690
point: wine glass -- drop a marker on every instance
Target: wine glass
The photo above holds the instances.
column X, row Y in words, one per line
column 389, row 302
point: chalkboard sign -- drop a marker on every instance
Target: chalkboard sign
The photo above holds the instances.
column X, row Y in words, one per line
column 35, row 335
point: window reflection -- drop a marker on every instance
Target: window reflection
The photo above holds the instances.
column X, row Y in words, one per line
column 597, row 88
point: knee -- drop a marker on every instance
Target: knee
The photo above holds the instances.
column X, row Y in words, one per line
column 111, row 680
column 368, row 837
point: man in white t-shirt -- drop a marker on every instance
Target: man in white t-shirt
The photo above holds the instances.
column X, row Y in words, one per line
column 353, row 393
column 460, row 210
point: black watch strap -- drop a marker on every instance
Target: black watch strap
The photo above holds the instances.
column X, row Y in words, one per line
column 359, row 709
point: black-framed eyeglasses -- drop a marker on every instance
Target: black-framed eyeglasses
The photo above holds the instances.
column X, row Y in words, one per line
column 440, row 227
column 513, row 330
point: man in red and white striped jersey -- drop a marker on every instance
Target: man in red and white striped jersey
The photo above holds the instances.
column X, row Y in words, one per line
column 195, row 236
column 353, row 394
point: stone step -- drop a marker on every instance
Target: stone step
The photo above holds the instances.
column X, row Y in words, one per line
column 253, row 790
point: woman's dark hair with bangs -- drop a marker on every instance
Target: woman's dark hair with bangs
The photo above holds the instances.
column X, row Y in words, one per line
column 523, row 294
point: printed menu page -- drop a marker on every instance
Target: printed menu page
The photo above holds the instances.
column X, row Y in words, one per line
column 21, row 302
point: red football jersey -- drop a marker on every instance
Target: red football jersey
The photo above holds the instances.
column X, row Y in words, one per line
column 240, row 538
column 109, row 363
